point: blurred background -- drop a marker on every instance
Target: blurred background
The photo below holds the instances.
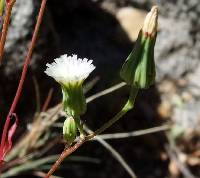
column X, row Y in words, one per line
column 105, row 31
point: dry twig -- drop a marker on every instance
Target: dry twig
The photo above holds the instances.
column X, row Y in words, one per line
column 174, row 152
column 115, row 154
column 135, row 133
column 173, row 155
column 47, row 101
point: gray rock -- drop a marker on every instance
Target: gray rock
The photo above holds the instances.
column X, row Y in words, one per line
column 20, row 31
column 178, row 58
column 174, row 50
column 21, row 23
column 19, row 36
column 16, row 43
column 186, row 117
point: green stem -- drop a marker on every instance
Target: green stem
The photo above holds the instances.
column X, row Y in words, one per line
column 79, row 125
column 127, row 107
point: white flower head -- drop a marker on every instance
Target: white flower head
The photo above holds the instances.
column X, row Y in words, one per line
column 70, row 69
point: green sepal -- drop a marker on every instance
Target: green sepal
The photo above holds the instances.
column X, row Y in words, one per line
column 139, row 68
column 69, row 130
column 74, row 102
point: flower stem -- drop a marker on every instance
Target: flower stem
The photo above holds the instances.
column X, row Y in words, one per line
column 127, row 107
column 24, row 71
column 63, row 155
column 80, row 126
column 9, row 7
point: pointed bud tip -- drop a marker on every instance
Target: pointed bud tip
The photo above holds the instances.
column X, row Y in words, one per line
column 150, row 23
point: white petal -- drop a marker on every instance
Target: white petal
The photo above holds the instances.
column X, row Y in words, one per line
column 70, row 69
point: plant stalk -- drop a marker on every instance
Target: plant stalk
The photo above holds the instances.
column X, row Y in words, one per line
column 6, row 21
column 128, row 106
column 24, row 71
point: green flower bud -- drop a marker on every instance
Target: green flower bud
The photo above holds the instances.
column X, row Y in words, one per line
column 69, row 130
column 74, row 102
column 139, row 68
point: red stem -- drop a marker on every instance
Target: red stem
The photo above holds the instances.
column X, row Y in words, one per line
column 64, row 154
column 9, row 7
column 24, row 71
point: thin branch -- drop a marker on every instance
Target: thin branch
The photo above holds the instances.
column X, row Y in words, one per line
column 37, row 94
column 42, row 174
column 89, row 85
column 134, row 133
column 24, row 71
column 47, row 101
column 17, row 161
column 181, row 166
column 115, row 154
column 127, row 134
column 64, row 154
column 174, row 152
column 9, row 7
column 30, row 165
column 105, row 92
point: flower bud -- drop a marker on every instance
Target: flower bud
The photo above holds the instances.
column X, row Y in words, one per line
column 69, row 130
column 139, row 68
column 151, row 22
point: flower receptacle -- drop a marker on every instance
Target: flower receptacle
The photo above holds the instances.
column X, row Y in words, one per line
column 74, row 102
